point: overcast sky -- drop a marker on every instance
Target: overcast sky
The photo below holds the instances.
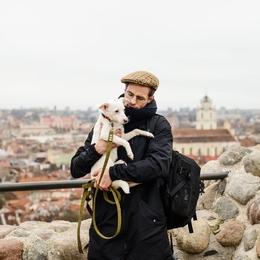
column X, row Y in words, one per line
column 73, row 53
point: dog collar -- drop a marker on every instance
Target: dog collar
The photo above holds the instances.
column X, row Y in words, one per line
column 107, row 118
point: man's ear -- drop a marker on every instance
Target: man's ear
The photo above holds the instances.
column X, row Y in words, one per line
column 150, row 99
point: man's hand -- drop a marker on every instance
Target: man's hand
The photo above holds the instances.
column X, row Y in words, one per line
column 101, row 145
column 105, row 181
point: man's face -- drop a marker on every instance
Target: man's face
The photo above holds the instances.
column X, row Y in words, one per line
column 138, row 95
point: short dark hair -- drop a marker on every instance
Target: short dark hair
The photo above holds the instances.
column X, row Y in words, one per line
column 151, row 90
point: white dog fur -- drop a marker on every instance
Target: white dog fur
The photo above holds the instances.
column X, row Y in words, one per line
column 113, row 116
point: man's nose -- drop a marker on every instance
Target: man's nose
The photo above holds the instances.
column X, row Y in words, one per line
column 133, row 100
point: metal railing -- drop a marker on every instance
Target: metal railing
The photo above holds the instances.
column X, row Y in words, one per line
column 66, row 184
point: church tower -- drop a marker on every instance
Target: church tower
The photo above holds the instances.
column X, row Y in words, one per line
column 206, row 115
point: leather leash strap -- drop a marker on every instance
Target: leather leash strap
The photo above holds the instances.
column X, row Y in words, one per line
column 87, row 196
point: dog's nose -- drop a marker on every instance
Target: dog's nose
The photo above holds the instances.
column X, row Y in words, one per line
column 126, row 120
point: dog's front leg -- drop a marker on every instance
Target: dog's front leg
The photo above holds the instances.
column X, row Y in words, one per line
column 104, row 134
column 137, row 132
column 123, row 142
column 117, row 140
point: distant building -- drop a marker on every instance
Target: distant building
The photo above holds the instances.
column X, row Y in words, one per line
column 202, row 143
column 206, row 115
column 4, row 169
column 59, row 122
column 60, row 156
column 206, row 142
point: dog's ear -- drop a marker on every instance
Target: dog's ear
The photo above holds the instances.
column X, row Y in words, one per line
column 103, row 106
column 125, row 101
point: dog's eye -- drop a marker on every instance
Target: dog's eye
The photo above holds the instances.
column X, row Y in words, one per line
column 116, row 111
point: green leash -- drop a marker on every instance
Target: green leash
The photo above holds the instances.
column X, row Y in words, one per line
column 88, row 194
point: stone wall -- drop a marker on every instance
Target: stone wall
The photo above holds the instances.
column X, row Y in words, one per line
column 227, row 227
column 228, row 212
column 36, row 240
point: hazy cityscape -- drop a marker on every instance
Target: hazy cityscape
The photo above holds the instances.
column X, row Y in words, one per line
column 37, row 144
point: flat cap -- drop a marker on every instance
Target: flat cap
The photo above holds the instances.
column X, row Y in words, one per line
column 143, row 78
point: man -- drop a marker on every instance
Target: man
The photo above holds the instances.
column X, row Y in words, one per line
column 143, row 233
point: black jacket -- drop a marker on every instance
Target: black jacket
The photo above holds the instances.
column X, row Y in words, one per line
column 144, row 233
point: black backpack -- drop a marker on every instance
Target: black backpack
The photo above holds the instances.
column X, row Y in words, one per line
column 180, row 190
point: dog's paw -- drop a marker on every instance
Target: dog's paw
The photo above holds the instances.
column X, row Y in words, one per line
column 150, row 135
column 130, row 155
column 121, row 184
column 121, row 162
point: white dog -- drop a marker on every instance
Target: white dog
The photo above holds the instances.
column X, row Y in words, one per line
column 113, row 116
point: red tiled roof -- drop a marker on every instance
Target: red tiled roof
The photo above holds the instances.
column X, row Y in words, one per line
column 4, row 164
column 76, row 193
column 67, row 119
column 19, row 204
column 247, row 142
column 201, row 136
column 37, row 179
column 73, row 207
column 47, row 119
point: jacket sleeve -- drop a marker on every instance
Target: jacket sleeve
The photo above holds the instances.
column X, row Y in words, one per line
column 156, row 161
column 85, row 157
